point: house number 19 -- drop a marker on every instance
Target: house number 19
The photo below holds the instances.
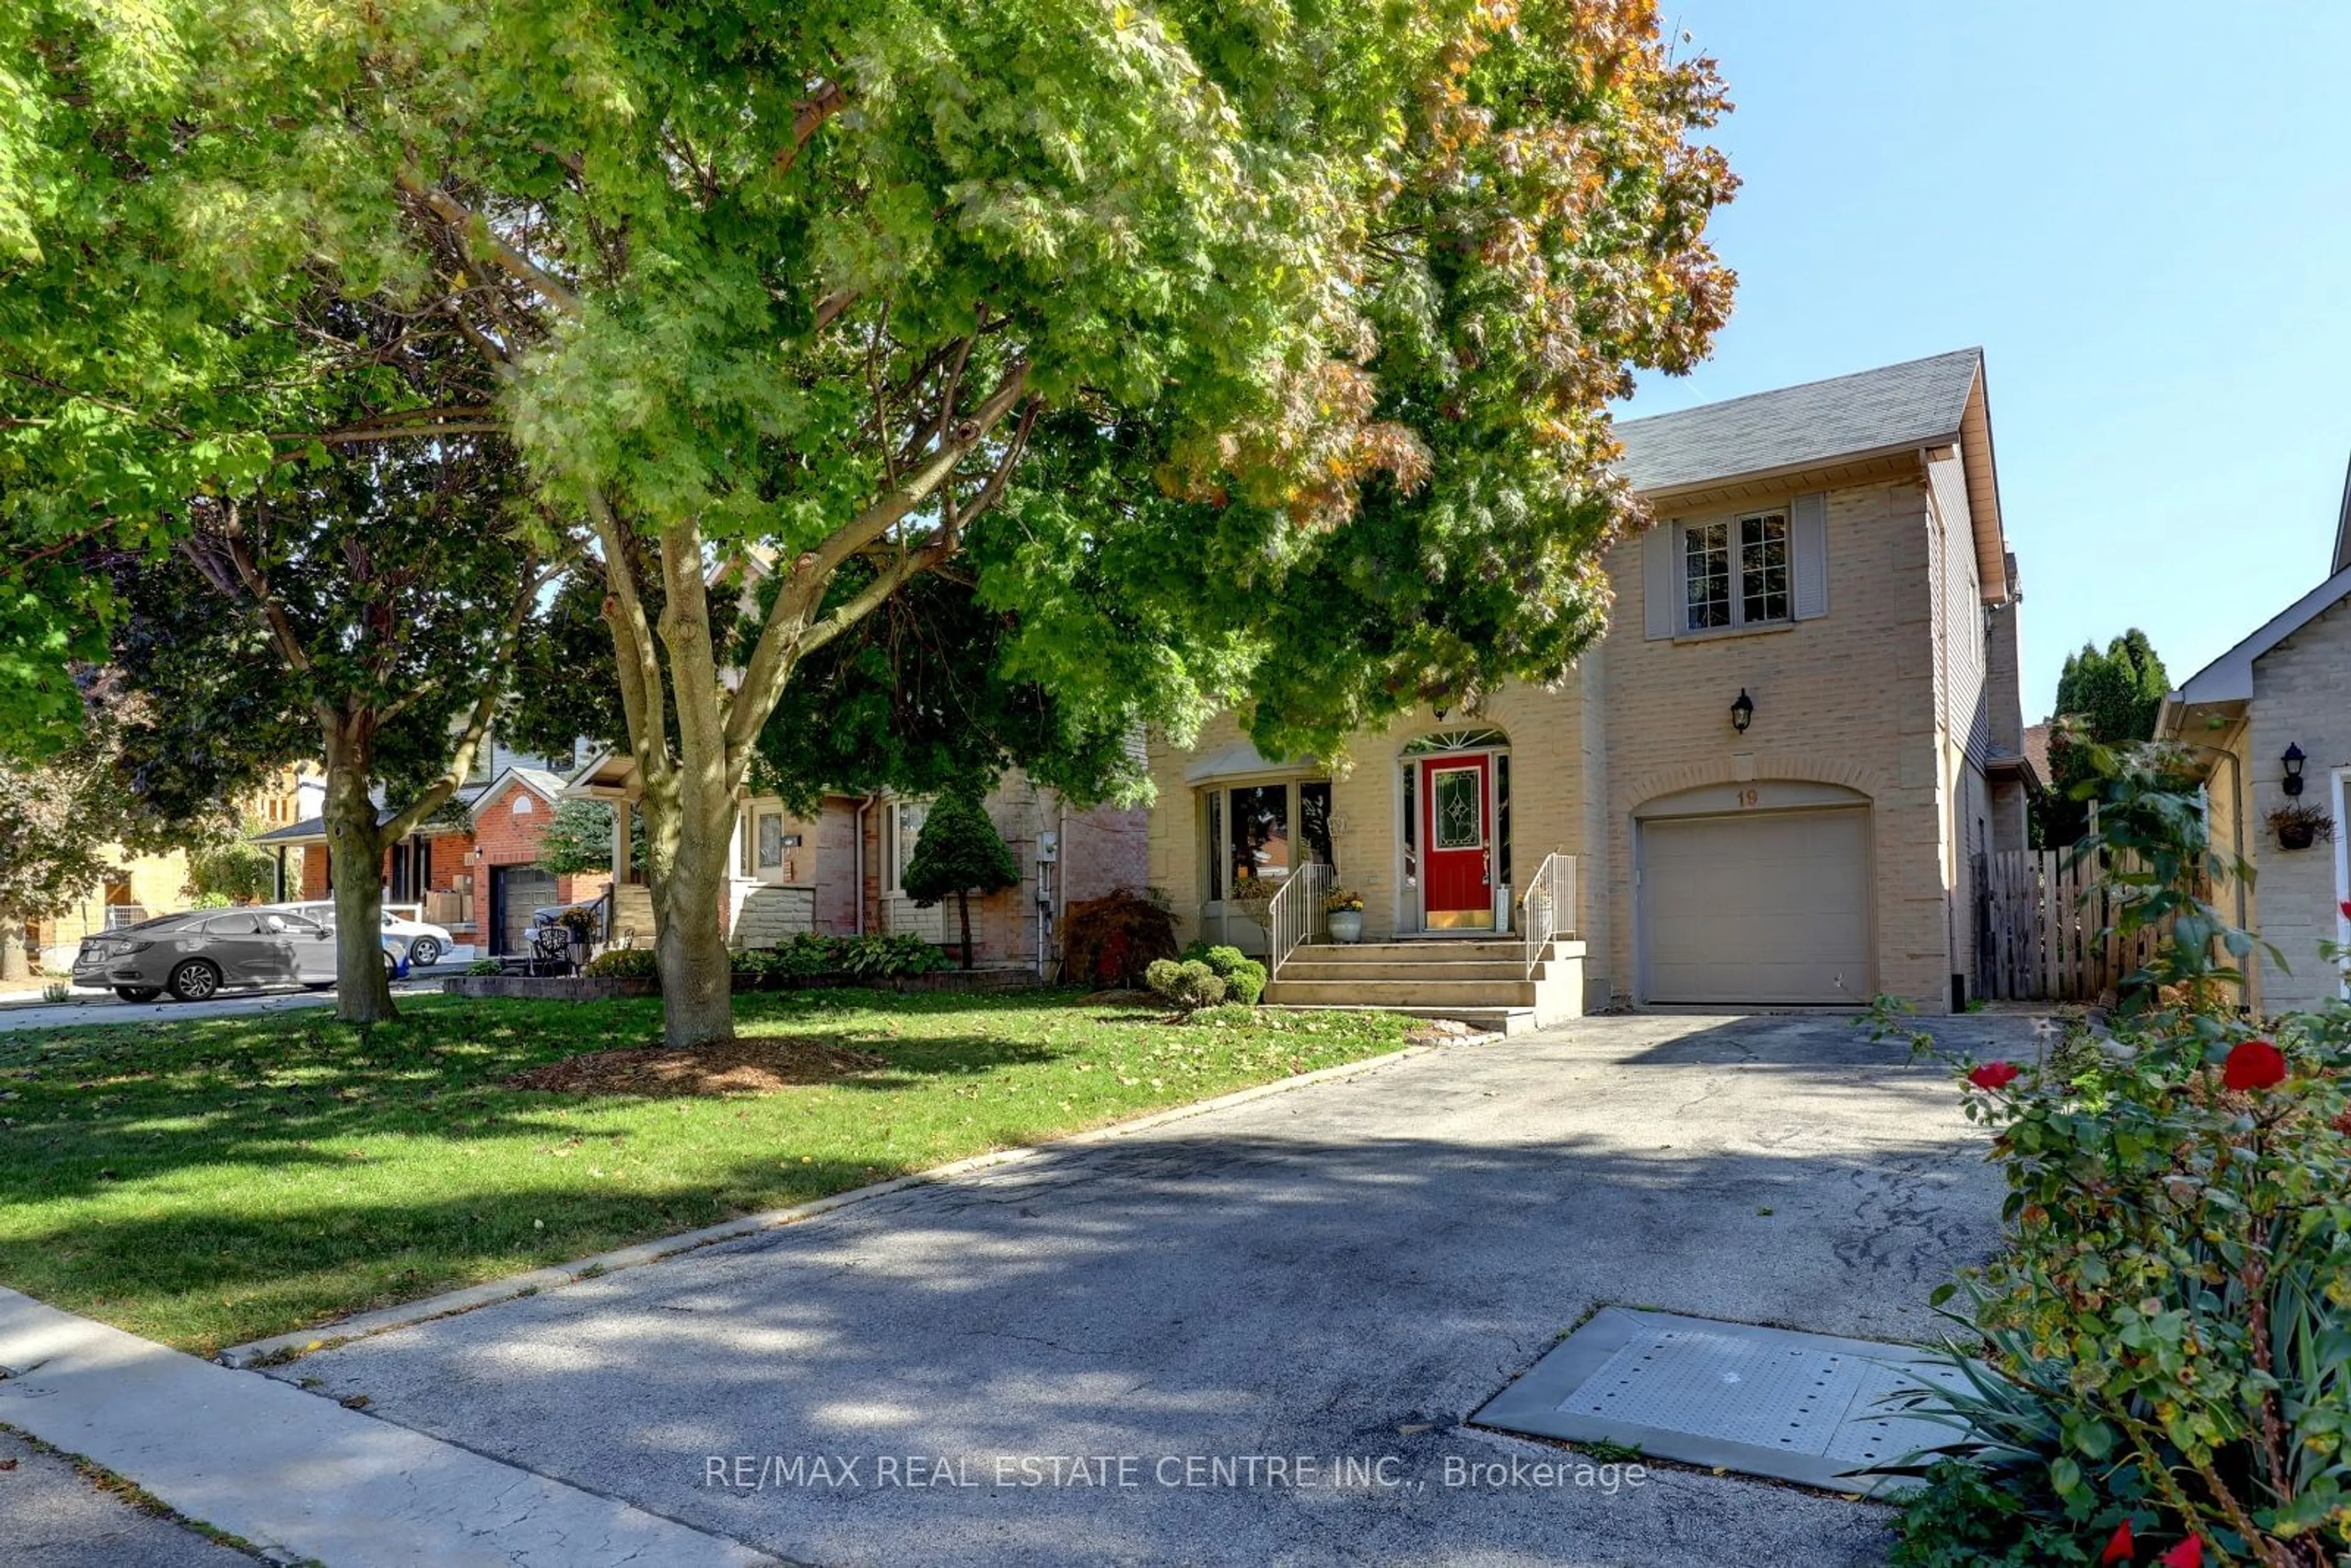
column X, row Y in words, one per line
column 1749, row 797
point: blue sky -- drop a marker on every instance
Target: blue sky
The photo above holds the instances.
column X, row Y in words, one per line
column 2143, row 215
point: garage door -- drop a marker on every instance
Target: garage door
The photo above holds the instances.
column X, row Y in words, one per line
column 1748, row 909
column 521, row 889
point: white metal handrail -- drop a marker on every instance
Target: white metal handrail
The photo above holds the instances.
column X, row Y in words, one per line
column 1296, row 915
column 1547, row 909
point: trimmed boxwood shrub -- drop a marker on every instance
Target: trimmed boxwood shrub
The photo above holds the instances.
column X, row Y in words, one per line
column 1186, row 986
column 1243, row 976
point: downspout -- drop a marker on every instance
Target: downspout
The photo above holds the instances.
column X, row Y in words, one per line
column 857, row 860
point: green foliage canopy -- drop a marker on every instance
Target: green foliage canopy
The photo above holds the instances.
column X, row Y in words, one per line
column 2109, row 698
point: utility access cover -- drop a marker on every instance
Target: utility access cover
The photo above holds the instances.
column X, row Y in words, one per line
column 1802, row 1407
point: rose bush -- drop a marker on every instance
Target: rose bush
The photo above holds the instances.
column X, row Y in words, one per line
column 2164, row 1341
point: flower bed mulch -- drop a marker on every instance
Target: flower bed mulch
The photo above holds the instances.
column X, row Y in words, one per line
column 738, row 1067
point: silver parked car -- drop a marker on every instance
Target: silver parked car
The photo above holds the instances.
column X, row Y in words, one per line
column 197, row 954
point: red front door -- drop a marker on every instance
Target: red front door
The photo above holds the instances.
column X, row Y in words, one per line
column 1456, row 831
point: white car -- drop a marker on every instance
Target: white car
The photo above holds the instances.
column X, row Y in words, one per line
column 414, row 940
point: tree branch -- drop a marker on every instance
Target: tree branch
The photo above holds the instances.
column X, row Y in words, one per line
column 829, row 100
column 642, row 702
column 874, row 594
column 470, row 225
column 256, row 586
column 805, row 579
column 477, row 723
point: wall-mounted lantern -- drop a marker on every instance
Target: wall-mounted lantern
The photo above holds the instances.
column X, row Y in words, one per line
column 1742, row 712
column 2293, row 760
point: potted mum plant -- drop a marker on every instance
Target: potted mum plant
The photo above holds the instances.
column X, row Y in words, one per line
column 1344, row 906
column 2298, row 826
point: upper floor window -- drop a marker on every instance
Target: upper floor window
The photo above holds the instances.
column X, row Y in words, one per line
column 1749, row 573
column 1735, row 573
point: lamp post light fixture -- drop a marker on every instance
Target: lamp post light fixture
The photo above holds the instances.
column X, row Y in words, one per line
column 1742, row 712
column 2293, row 760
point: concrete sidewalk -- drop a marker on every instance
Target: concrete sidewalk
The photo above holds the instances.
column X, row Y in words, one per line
column 295, row 1473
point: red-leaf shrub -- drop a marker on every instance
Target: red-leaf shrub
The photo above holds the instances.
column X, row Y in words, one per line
column 1109, row 941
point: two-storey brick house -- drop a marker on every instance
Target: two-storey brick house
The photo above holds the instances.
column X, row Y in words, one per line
column 1771, row 772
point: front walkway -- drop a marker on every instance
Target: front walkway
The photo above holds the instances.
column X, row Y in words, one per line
column 1099, row 1354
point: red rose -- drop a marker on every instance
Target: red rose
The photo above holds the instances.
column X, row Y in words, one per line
column 2119, row 1546
column 1994, row 1075
column 2254, row 1064
column 2189, row 1553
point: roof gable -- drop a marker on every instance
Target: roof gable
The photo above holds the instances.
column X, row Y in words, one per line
column 1922, row 403
column 543, row 784
column 2230, row 677
column 1919, row 405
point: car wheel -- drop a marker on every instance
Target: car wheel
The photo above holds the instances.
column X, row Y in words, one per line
column 195, row 981
column 138, row 993
column 424, row 950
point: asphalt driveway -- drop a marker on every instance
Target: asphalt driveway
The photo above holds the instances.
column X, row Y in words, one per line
column 1095, row 1356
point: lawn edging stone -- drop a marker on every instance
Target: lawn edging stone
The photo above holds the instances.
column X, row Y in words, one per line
column 277, row 1350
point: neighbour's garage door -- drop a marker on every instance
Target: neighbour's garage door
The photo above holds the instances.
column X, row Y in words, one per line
column 521, row 889
column 1766, row 908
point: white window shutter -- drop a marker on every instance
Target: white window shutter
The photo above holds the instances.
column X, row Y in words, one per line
column 1808, row 523
column 1659, row 579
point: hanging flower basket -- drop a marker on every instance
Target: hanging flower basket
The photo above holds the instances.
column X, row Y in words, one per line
column 2298, row 827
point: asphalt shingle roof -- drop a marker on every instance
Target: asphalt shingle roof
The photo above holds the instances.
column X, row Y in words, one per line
column 311, row 828
column 1900, row 405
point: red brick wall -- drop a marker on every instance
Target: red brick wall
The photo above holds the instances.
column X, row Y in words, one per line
column 314, row 872
column 507, row 837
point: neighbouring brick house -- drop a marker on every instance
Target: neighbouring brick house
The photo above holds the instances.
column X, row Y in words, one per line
column 2282, row 693
column 838, row 871
column 472, row 868
column 1772, row 772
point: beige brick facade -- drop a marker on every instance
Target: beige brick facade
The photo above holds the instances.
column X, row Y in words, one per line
column 2302, row 696
column 1875, row 698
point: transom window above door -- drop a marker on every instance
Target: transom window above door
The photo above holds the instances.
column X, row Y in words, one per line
column 1735, row 572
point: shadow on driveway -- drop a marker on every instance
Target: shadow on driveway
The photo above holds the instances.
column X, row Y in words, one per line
column 1341, row 1272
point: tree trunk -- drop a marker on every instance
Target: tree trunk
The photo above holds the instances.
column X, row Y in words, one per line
column 963, row 907
column 16, row 962
column 362, row 989
column 686, row 855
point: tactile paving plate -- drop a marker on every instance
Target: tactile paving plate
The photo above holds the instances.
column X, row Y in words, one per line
column 1796, row 1407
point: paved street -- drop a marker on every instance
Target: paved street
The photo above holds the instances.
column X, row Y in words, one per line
column 93, row 1007
column 52, row 1518
column 1342, row 1272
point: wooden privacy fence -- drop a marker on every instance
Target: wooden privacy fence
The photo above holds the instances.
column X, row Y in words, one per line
column 2044, row 928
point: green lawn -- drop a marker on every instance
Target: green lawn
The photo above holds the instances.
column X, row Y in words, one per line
column 209, row 1182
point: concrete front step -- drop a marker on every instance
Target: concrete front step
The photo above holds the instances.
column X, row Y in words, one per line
column 1496, row 1020
column 1412, row 993
column 1431, row 950
column 1307, row 965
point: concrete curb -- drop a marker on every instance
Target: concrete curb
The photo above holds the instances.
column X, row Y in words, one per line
column 279, row 1349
